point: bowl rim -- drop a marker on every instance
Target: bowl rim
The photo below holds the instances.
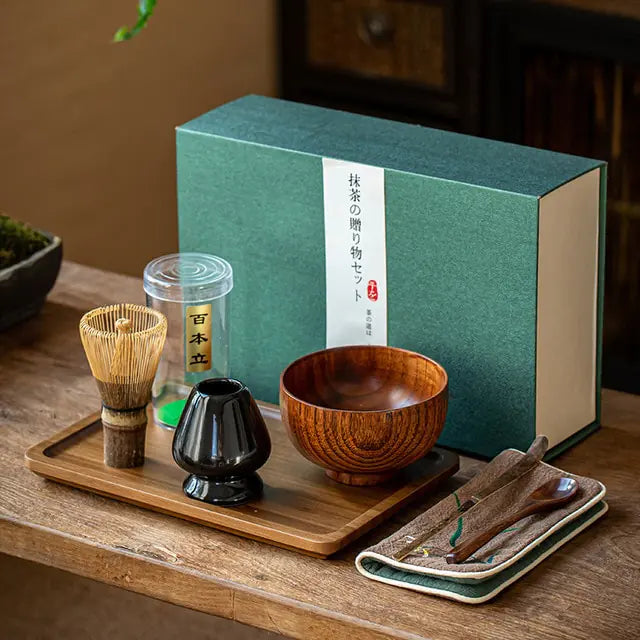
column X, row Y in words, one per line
column 284, row 389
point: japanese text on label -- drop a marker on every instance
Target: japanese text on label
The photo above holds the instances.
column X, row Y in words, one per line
column 198, row 338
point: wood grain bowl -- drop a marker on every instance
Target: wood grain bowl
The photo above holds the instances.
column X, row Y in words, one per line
column 363, row 412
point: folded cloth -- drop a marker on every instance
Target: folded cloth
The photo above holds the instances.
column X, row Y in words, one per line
column 501, row 561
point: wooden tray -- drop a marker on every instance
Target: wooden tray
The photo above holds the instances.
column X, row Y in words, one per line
column 301, row 508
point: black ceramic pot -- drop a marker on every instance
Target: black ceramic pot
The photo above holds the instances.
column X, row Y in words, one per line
column 221, row 440
column 24, row 286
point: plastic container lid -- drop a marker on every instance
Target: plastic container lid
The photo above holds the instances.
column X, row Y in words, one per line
column 188, row 277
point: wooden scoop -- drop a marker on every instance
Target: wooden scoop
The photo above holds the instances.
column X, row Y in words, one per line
column 550, row 495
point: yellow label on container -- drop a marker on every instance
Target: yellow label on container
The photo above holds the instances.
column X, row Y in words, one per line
column 198, row 338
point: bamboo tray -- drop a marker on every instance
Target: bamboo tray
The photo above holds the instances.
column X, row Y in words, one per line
column 301, row 508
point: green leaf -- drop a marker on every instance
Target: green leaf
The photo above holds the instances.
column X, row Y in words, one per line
column 145, row 11
column 122, row 34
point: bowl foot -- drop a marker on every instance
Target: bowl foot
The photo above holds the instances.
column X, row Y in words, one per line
column 222, row 492
column 359, row 479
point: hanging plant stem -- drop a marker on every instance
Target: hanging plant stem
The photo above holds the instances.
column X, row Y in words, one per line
column 145, row 11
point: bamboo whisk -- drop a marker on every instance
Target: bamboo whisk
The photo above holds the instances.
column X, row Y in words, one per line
column 123, row 343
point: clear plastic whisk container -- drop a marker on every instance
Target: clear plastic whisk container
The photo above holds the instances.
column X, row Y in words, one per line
column 192, row 291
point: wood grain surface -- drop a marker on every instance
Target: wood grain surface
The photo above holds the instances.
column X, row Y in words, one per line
column 364, row 412
column 300, row 509
column 42, row 603
column 589, row 589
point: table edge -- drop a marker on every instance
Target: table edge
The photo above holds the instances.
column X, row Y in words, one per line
column 236, row 601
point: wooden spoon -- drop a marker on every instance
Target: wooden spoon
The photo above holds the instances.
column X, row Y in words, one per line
column 551, row 494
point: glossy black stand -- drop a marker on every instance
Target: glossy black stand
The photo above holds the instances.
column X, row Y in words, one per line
column 221, row 440
column 226, row 491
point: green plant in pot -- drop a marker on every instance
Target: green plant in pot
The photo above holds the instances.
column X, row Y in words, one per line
column 29, row 265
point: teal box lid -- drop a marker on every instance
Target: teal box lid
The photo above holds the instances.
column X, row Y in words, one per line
column 484, row 241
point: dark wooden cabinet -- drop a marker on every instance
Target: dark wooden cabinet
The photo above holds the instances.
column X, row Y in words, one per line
column 404, row 59
column 557, row 74
column 569, row 80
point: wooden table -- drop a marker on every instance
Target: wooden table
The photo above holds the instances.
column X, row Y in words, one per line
column 588, row 589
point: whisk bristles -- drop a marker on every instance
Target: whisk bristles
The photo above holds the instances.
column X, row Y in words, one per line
column 123, row 343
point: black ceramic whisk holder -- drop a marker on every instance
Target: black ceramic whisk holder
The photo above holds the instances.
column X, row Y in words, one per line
column 221, row 440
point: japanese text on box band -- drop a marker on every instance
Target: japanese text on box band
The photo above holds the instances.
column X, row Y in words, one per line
column 355, row 250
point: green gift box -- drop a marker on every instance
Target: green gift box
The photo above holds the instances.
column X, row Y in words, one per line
column 341, row 228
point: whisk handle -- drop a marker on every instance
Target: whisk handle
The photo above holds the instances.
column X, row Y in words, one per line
column 124, row 432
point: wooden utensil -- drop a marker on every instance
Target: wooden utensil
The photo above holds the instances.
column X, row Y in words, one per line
column 551, row 494
column 363, row 412
column 123, row 343
column 530, row 459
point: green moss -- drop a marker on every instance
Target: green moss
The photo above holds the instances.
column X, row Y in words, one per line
column 18, row 241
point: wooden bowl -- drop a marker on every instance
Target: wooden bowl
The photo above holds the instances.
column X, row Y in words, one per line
column 363, row 412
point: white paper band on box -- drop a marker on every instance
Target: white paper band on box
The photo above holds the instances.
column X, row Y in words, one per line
column 356, row 253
